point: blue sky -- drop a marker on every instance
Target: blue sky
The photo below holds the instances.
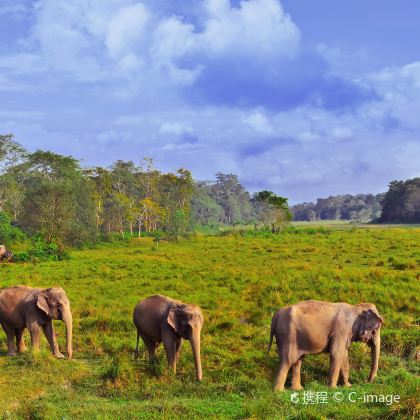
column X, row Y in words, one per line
column 306, row 98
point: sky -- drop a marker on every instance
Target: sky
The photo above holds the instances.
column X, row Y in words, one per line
column 305, row 98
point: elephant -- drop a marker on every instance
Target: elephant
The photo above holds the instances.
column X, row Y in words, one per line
column 5, row 254
column 313, row 327
column 26, row 307
column 160, row 319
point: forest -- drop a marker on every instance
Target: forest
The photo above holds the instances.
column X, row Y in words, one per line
column 48, row 195
column 360, row 208
column 55, row 200
column 400, row 204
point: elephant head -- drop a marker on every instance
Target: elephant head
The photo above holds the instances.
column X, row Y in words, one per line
column 55, row 304
column 187, row 321
column 367, row 328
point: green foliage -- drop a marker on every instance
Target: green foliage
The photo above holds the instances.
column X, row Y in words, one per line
column 8, row 232
column 239, row 280
column 57, row 202
column 205, row 209
column 360, row 207
column 272, row 210
column 402, row 202
column 41, row 251
column 232, row 197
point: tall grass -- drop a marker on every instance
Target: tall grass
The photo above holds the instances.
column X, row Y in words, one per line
column 239, row 280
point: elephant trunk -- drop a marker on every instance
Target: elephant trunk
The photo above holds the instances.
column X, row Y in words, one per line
column 68, row 322
column 196, row 345
column 375, row 347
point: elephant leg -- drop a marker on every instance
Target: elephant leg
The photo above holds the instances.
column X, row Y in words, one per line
column 151, row 347
column 296, row 385
column 169, row 343
column 50, row 334
column 20, row 343
column 178, row 349
column 281, row 375
column 336, row 361
column 345, row 369
column 34, row 332
column 10, row 334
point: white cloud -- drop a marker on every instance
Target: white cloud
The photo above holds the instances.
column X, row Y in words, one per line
column 130, row 71
column 127, row 30
column 114, row 39
column 259, row 122
column 176, row 128
column 257, row 27
column 14, row 10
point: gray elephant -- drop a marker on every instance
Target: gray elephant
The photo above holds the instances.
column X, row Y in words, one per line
column 160, row 319
column 314, row 327
column 25, row 307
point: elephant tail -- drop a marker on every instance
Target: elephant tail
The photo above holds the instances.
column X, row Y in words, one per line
column 136, row 353
column 272, row 330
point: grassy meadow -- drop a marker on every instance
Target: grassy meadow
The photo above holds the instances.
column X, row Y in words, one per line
column 239, row 281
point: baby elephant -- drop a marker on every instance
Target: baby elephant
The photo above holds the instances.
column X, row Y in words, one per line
column 160, row 319
column 314, row 327
column 25, row 307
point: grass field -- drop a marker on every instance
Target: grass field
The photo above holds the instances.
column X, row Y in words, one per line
column 239, row 281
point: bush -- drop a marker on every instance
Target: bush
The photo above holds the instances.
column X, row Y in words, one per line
column 8, row 232
column 41, row 251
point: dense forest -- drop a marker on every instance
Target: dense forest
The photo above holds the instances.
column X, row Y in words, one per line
column 360, row 208
column 48, row 195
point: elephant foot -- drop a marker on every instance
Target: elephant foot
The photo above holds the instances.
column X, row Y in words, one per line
column 278, row 388
column 348, row 384
column 23, row 350
column 11, row 353
column 297, row 387
column 58, row 355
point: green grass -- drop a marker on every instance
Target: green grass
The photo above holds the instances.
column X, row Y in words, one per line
column 239, row 282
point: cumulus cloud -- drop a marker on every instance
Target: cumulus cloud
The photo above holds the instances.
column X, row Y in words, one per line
column 259, row 28
column 212, row 85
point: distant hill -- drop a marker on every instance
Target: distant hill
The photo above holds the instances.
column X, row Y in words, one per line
column 360, row 207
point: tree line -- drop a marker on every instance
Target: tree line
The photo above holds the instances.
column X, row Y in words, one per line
column 360, row 208
column 401, row 203
column 47, row 194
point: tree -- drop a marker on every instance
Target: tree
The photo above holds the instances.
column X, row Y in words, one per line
column 360, row 207
column 149, row 215
column 273, row 210
column 401, row 203
column 204, row 209
column 11, row 152
column 175, row 197
column 58, row 201
column 101, row 185
column 232, row 197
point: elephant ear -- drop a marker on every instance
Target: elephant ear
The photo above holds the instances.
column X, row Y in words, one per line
column 42, row 303
column 173, row 319
column 373, row 321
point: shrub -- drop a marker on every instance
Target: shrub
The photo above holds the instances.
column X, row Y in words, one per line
column 41, row 251
column 8, row 232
